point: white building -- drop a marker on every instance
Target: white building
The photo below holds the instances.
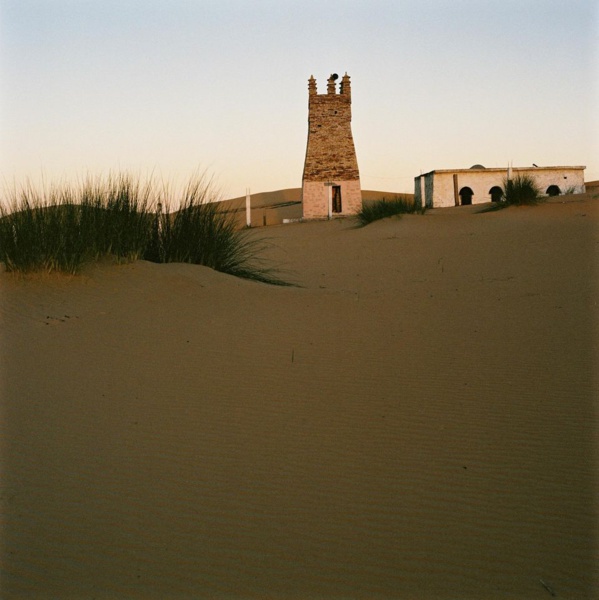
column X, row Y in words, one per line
column 454, row 187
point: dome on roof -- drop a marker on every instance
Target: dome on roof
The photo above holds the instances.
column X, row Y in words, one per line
column 477, row 167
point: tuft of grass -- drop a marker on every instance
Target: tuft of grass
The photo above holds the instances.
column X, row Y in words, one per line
column 201, row 233
column 521, row 190
column 122, row 207
column 61, row 229
column 381, row 209
column 43, row 231
column 65, row 228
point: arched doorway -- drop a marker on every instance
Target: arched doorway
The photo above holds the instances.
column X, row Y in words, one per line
column 496, row 193
column 466, row 194
column 553, row 190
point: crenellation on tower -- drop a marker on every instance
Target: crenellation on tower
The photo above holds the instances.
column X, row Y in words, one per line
column 331, row 84
column 331, row 179
column 345, row 87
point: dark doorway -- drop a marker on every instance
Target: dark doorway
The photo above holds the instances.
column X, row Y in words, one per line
column 496, row 193
column 553, row 190
column 337, row 208
column 466, row 196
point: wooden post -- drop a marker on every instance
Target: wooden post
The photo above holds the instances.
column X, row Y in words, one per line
column 248, row 209
column 456, row 195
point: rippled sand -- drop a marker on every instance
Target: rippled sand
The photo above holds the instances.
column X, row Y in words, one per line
column 418, row 420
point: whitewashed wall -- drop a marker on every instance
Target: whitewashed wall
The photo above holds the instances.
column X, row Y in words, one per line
column 439, row 185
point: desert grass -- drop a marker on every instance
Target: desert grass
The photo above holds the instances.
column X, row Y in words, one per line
column 121, row 210
column 61, row 229
column 44, row 232
column 201, row 232
column 522, row 190
column 381, row 209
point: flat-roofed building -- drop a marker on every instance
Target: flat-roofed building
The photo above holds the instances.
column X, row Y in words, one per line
column 476, row 185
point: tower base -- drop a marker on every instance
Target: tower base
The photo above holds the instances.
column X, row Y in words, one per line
column 345, row 199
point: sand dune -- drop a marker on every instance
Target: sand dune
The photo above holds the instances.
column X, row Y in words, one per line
column 417, row 420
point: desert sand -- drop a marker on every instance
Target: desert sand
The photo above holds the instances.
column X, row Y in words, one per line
column 417, row 419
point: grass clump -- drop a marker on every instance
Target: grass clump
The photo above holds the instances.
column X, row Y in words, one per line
column 201, row 233
column 522, row 190
column 381, row 209
column 65, row 228
column 120, row 214
column 61, row 229
column 43, row 232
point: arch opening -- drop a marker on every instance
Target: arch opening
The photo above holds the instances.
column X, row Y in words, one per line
column 496, row 193
column 466, row 194
column 553, row 190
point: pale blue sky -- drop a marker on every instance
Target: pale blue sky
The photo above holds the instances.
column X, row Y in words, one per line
column 170, row 86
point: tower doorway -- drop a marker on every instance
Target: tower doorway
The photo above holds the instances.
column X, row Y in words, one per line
column 337, row 207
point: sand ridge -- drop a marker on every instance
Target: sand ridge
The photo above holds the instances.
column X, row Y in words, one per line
column 418, row 419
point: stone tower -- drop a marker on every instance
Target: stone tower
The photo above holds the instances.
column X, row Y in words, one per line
column 331, row 181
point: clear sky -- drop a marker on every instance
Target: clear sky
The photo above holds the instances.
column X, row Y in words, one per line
column 172, row 86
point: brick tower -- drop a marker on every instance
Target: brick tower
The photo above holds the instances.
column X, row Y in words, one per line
column 331, row 181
